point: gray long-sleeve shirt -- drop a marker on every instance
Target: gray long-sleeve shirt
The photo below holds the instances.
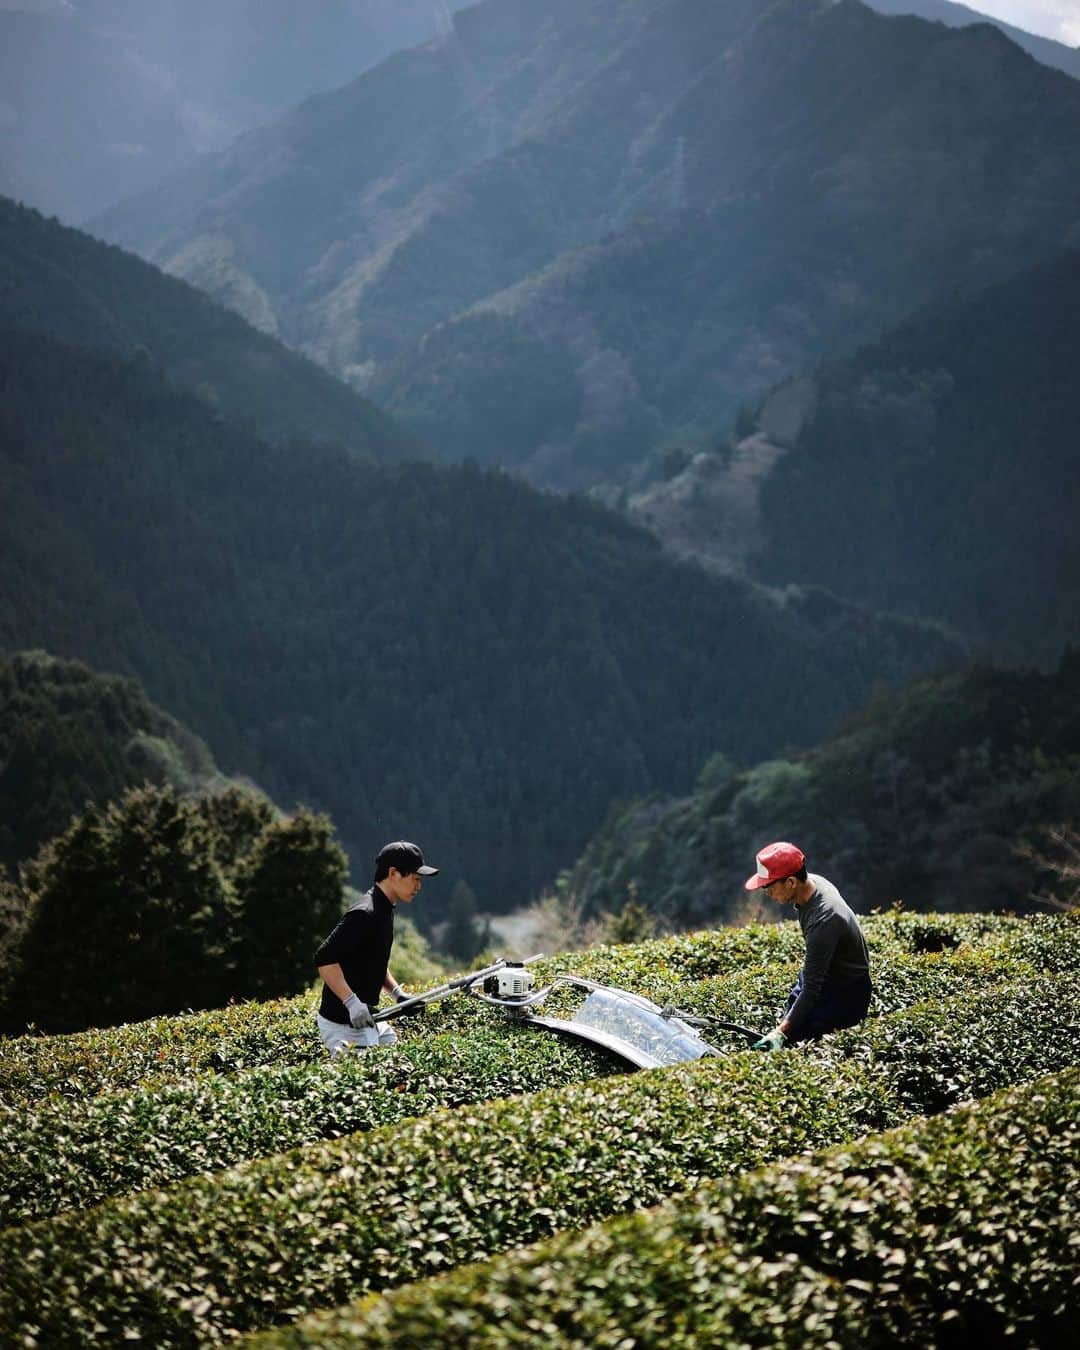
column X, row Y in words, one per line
column 836, row 952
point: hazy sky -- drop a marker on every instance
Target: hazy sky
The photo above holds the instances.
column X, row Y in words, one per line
column 1058, row 19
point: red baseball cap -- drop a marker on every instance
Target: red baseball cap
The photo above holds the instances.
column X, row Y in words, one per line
column 774, row 863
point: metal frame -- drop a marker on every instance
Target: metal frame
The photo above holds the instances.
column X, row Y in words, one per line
column 638, row 1058
column 522, row 1010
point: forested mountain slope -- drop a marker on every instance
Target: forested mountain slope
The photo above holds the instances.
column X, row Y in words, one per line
column 60, row 281
column 573, row 231
column 938, row 474
column 70, row 735
column 933, row 473
column 923, row 799
column 419, row 650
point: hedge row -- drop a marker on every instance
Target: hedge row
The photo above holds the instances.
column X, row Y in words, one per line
column 250, row 1035
column 272, row 1239
column 958, row 1230
column 67, row 1154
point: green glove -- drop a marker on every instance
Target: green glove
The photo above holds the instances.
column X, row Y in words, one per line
column 775, row 1040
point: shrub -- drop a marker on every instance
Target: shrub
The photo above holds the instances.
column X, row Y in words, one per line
column 65, row 1154
column 251, row 1035
column 34, row 1068
column 269, row 1239
column 946, row 1232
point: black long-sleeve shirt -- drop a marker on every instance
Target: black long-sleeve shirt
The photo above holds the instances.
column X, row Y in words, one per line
column 360, row 945
column 836, row 952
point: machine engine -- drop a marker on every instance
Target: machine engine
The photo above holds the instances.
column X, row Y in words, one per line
column 513, row 981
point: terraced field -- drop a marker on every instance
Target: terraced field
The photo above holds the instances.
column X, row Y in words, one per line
column 211, row 1177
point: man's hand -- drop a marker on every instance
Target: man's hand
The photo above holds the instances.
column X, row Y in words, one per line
column 400, row 996
column 774, row 1040
column 359, row 1013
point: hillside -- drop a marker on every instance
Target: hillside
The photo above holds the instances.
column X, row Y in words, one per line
column 332, row 630
column 951, row 443
column 70, row 735
column 922, row 799
column 933, row 470
column 61, row 281
column 572, row 232
column 520, row 1168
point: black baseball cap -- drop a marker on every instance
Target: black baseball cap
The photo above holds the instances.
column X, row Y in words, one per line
column 406, row 857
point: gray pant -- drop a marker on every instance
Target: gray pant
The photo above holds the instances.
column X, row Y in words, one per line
column 336, row 1037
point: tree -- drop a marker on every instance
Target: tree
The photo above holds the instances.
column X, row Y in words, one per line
column 633, row 923
column 1057, row 859
column 236, row 819
column 12, row 922
column 128, row 916
column 159, row 903
column 289, row 890
column 464, row 936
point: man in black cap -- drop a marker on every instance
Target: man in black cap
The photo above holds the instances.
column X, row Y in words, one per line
column 354, row 961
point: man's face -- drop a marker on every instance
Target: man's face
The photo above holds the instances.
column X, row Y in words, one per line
column 401, row 887
column 783, row 892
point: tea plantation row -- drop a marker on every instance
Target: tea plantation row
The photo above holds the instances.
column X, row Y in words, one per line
column 251, row 1035
column 282, row 1031
column 963, row 1229
column 272, row 1239
column 65, row 1153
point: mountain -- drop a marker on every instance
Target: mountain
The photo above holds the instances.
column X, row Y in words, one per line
column 100, row 99
column 572, row 234
column 936, row 471
column 1043, row 49
column 60, row 281
column 70, row 735
column 435, row 653
column 924, row 799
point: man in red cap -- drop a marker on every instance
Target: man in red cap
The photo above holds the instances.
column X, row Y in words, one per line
column 354, row 961
column 833, row 989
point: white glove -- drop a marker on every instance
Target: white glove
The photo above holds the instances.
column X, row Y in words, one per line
column 359, row 1013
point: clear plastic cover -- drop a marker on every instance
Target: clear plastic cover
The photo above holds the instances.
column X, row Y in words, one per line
column 668, row 1041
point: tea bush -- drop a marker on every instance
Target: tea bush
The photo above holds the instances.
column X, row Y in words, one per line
column 276, row 1237
column 253, row 1035
column 953, row 1231
column 67, row 1153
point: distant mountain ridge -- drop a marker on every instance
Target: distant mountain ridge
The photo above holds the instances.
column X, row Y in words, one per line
column 60, row 281
column 573, row 233
column 1043, row 49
